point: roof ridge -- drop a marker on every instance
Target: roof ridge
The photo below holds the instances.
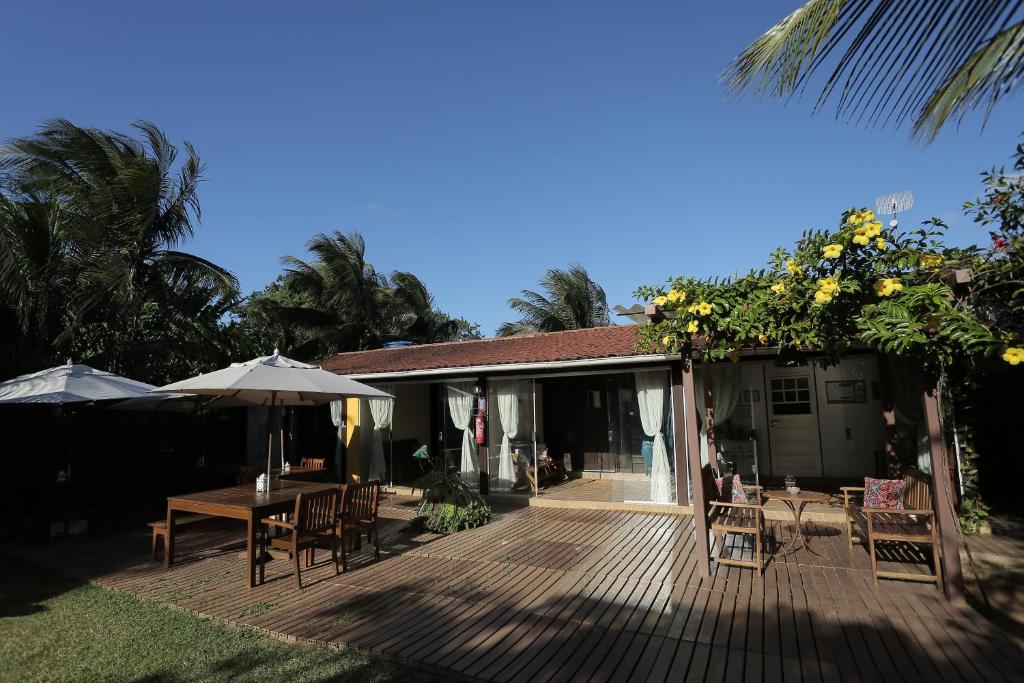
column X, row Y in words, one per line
column 531, row 335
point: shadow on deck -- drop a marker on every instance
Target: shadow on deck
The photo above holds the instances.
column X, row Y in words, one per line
column 565, row 594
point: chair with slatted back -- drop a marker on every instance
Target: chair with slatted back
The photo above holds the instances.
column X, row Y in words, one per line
column 315, row 520
column 314, row 463
column 358, row 513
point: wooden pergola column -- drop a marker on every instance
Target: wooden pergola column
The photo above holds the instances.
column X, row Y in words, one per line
column 700, row 508
column 942, row 499
column 679, row 407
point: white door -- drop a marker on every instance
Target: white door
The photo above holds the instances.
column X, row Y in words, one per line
column 793, row 422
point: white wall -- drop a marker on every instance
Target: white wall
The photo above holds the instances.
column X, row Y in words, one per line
column 852, row 434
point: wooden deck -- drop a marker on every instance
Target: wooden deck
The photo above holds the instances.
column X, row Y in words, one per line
column 574, row 595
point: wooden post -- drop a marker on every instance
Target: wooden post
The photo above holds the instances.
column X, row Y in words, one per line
column 679, row 408
column 949, row 553
column 709, row 416
column 700, row 510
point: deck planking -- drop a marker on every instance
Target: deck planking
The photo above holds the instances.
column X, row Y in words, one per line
column 553, row 594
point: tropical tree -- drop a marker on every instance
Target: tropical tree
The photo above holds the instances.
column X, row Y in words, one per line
column 337, row 301
column 888, row 62
column 91, row 225
column 571, row 300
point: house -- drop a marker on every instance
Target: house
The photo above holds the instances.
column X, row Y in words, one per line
column 604, row 417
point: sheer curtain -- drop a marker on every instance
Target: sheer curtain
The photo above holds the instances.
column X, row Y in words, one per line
column 726, row 388
column 508, row 415
column 382, row 410
column 460, row 407
column 650, row 394
column 338, row 420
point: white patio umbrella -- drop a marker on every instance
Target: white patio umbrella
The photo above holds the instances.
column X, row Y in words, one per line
column 71, row 383
column 274, row 381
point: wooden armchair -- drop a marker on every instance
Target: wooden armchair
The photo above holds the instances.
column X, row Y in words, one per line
column 358, row 513
column 314, row 463
column 726, row 517
column 315, row 521
column 913, row 525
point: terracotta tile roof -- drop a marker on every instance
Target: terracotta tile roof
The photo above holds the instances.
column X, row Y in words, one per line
column 598, row 342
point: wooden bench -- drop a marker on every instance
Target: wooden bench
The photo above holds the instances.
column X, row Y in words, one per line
column 725, row 518
column 159, row 528
column 914, row 525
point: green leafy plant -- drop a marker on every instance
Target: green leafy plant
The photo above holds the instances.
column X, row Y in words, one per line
column 449, row 504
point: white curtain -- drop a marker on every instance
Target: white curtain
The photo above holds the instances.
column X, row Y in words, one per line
column 508, row 415
column 726, row 388
column 460, row 407
column 650, row 394
column 381, row 409
column 338, row 420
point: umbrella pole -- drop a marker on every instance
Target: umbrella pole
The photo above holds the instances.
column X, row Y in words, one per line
column 280, row 423
column 270, row 434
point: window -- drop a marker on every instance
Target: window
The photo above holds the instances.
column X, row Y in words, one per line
column 791, row 395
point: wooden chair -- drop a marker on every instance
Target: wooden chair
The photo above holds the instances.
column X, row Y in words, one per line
column 314, row 463
column 913, row 525
column 315, row 520
column 357, row 513
column 726, row 517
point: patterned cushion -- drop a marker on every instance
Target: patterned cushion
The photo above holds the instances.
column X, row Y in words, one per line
column 884, row 494
column 730, row 489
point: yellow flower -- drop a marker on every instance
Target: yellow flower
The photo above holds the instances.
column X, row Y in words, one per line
column 821, row 297
column 703, row 308
column 832, row 251
column 1013, row 355
column 779, row 287
column 854, row 218
column 829, row 286
column 660, row 300
column 666, row 340
column 867, row 215
column 692, row 327
column 932, row 261
column 861, row 239
column 692, row 308
column 873, row 229
column 793, row 267
column 763, row 338
column 676, row 296
column 888, row 286
column 880, row 244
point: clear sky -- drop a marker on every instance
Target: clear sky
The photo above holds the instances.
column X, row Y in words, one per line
column 478, row 144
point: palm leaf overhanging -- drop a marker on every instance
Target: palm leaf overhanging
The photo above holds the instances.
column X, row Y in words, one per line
column 571, row 300
column 931, row 61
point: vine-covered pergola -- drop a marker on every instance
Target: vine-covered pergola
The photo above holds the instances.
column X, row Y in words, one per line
column 863, row 285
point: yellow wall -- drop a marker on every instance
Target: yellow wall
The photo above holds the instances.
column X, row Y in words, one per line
column 352, row 445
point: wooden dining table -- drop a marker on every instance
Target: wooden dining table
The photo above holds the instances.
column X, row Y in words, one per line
column 239, row 502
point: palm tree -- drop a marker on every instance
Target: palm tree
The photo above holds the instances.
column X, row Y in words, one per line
column 339, row 302
column 571, row 301
column 123, row 205
column 932, row 60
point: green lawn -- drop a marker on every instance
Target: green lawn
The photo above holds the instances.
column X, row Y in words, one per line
column 53, row 628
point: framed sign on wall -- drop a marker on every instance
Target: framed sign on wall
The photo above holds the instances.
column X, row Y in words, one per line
column 846, row 391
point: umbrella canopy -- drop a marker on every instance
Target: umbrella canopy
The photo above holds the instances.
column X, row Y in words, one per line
column 160, row 401
column 70, row 383
column 275, row 381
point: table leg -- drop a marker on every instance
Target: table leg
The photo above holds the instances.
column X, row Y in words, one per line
column 250, row 554
column 169, row 538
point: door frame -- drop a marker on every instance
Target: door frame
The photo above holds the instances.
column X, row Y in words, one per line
column 810, row 370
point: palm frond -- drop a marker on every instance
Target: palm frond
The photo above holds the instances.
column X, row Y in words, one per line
column 933, row 60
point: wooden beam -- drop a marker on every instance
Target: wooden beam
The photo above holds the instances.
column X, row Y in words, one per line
column 949, row 544
column 700, row 510
column 679, row 434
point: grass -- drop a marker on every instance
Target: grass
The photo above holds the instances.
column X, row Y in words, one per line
column 53, row 628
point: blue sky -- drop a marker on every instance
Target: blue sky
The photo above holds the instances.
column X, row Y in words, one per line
column 479, row 144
